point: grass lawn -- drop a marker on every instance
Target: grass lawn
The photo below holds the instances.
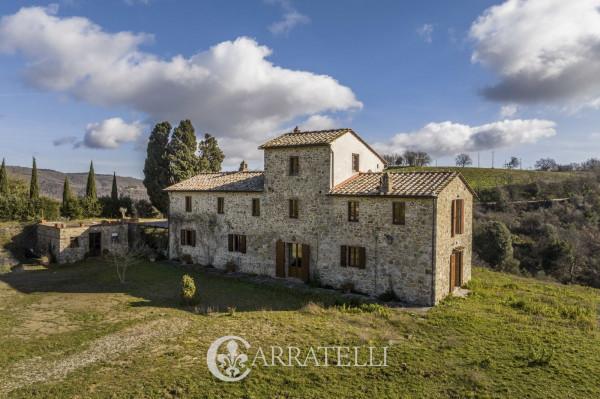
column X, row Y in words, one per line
column 481, row 178
column 77, row 332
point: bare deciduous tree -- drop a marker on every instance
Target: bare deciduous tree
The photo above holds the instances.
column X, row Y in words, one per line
column 463, row 160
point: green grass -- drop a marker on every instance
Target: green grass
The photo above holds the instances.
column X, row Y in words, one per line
column 512, row 337
column 482, row 178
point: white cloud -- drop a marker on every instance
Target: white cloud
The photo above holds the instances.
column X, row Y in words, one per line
column 231, row 90
column 319, row 122
column 509, row 110
column 449, row 138
column 426, row 32
column 542, row 50
column 111, row 133
column 290, row 19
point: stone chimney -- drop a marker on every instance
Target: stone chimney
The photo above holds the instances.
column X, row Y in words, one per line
column 385, row 185
column 243, row 166
column 296, row 130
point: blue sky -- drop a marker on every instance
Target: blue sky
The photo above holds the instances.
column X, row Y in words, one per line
column 402, row 74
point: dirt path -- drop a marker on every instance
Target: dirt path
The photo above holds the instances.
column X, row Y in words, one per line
column 37, row 370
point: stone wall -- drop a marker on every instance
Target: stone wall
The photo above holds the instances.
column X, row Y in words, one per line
column 445, row 243
column 55, row 241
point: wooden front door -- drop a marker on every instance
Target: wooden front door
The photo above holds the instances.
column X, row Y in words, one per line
column 95, row 244
column 295, row 258
column 456, row 269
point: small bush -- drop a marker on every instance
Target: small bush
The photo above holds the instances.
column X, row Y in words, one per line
column 347, row 287
column 539, row 355
column 188, row 290
column 230, row 266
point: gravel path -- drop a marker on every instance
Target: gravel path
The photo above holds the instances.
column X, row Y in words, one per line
column 37, row 370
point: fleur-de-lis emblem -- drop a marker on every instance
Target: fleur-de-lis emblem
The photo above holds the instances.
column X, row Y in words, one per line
column 232, row 361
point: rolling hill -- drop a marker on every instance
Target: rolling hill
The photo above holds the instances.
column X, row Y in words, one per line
column 482, row 178
column 51, row 182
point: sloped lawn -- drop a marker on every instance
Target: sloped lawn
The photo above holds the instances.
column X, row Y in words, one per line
column 511, row 337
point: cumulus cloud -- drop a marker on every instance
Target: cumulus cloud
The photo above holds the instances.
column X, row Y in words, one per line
column 542, row 50
column 111, row 133
column 290, row 19
column 231, row 90
column 426, row 32
column 450, row 138
column 508, row 111
column 319, row 122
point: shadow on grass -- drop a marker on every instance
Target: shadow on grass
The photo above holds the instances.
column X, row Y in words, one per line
column 158, row 285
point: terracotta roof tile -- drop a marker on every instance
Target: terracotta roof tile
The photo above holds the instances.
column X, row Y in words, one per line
column 409, row 184
column 222, row 181
column 317, row 137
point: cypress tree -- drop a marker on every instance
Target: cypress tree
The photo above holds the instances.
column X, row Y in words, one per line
column 34, row 188
column 183, row 161
column 90, row 188
column 3, row 179
column 67, row 195
column 114, row 194
column 211, row 156
column 156, row 166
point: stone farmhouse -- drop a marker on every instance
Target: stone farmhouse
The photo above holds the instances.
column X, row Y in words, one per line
column 324, row 210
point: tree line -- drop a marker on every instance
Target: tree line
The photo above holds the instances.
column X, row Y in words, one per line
column 17, row 202
column 174, row 155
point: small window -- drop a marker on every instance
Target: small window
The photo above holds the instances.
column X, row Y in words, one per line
column 294, row 166
column 188, row 204
column 237, row 243
column 114, row 238
column 255, row 206
column 220, row 205
column 294, row 208
column 458, row 217
column 353, row 211
column 74, row 242
column 355, row 162
column 353, row 257
column 188, row 238
column 294, row 255
column 399, row 212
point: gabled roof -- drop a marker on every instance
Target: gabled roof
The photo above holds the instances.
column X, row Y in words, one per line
column 222, row 181
column 403, row 184
column 299, row 138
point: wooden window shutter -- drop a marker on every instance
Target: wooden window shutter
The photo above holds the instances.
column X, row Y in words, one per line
column 343, row 255
column 243, row 244
column 182, row 237
column 280, row 259
column 305, row 261
column 453, row 219
column 193, row 238
column 461, row 218
column 230, row 242
column 362, row 262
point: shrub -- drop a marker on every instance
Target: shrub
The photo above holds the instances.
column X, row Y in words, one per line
column 230, row 266
column 188, row 290
column 539, row 355
column 493, row 243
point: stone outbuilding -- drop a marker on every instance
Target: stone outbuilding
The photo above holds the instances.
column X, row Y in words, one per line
column 324, row 210
column 72, row 242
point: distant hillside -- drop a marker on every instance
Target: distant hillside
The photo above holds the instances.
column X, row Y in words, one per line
column 480, row 178
column 51, row 182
